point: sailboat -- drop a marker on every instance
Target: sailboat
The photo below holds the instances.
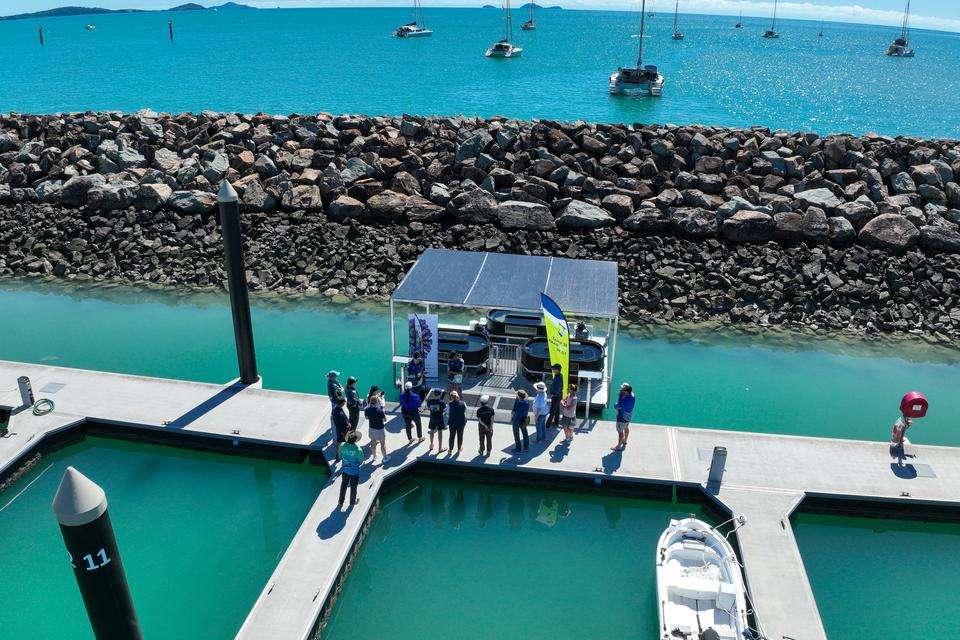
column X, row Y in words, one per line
column 739, row 24
column 899, row 48
column 415, row 29
column 530, row 25
column 505, row 48
column 820, row 35
column 772, row 31
column 653, row 8
column 640, row 79
column 91, row 26
column 677, row 34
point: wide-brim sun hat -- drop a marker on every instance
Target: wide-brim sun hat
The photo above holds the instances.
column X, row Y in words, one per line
column 540, row 386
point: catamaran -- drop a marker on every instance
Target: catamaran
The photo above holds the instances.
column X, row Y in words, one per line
column 677, row 34
column 530, row 25
column 700, row 588
column 739, row 24
column 899, row 48
column 415, row 29
column 772, row 31
column 640, row 79
column 505, row 48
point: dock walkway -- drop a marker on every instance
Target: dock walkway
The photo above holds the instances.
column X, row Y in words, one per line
column 766, row 477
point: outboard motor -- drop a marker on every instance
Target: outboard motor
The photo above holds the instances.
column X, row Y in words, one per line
column 709, row 634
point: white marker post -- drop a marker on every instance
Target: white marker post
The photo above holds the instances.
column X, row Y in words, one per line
column 81, row 509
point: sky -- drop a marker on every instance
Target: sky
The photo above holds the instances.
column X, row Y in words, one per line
column 930, row 14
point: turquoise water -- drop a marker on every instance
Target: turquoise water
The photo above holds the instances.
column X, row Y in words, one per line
column 343, row 60
column 882, row 578
column 199, row 535
column 776, row 383
column 479, row 561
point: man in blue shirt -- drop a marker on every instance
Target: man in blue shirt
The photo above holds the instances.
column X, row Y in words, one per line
column 556, row 395
column 410, row 410
column 624, row 407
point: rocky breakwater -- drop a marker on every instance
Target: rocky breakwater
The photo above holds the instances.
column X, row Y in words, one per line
column 737, row 225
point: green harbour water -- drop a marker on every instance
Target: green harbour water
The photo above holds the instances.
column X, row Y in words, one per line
column 199, row 534
column 876, row 578
column 488, row 561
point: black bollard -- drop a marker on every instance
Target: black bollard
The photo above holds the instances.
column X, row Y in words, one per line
column 237, row 282
column 81, row 509
column 170, row 28
column 40, row 31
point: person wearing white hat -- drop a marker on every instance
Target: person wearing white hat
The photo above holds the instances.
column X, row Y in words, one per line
column 485, row 425
column 410, row 410
column 540, row 411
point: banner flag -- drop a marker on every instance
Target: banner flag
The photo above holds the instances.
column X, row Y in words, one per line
column 422, row 329
column 558, row 337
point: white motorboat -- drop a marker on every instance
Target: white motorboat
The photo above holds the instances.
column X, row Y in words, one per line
column 531, row 24
column 772, row 31
column 699, row 585
column 505, row 48
column 641, row 79
column 677, row 34
column 900, row 48
column 415, row 29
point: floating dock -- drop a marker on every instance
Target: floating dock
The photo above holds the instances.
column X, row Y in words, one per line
column 766, row 478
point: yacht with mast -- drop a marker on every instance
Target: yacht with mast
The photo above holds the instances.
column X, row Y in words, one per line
column 739, row 24
column 820, row 35
column 772, row 31
column 677, row 34
column 530, row 25
column 415, row 29
column 505, row 48
column 900, row 47
column 641, row 79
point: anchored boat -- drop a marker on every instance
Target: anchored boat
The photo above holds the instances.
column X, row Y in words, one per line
column 642, row 79
column 415, row 29
column 900, row 47
column 739, row 24
column 531, row 24
column 772, row 31
column 700, row 587
column 677, row 34
column 505, row 48
column 91, row 27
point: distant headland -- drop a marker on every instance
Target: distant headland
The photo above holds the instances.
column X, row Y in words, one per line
column 83, row 11
column 527, row 6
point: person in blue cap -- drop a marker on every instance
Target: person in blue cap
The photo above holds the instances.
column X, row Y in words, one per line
column 625, row 403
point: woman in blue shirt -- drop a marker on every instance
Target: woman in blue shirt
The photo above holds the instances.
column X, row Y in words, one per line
column 520, row 418
column 624, row 407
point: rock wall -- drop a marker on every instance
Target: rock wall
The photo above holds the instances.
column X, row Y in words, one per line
column 845, row 232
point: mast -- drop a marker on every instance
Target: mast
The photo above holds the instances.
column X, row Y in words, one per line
column 676, row 15
column 643, row 15
column 773, row 27
column 906, row 22
column 418, row 13
column 533, row 5
column 509, row 22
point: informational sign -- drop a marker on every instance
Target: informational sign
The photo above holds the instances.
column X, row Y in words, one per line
column 558, row 336
column 423, row 340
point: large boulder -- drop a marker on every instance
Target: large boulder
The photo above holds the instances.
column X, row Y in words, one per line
column 696, row 222
column 903, row 183
column 648, row 220
column 890, row 232
column 256, row 198
column 859, row 212
column 583, row 215
column 387, row 205
column 419, row 209
column 345, row 207
column 748, row 226
column 74, row 190
column 112, row 197
column 473, row 146
column 129, row 158
column 940, row 238
column 620, row 205
column 788, row 226
column 303, row 196
column 475, row 206
column 531, row 216
column 192, row 202
column 152, row 196
column 842, row 232
column 355, row 170
column 822, row 198
column 167, row 161
column 735, row 204
column 815, row 227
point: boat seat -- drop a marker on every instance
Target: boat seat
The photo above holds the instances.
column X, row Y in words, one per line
column 696, row 589
column 726, row 597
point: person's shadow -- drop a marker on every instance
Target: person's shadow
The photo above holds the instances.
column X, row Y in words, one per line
column 334, row 523
column 612, row 461
column 560, row 451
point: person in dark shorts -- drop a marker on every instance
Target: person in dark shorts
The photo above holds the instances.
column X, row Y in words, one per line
column 458, row 420
column 556, row 396
column 410, row 410
column 485, row 425
column 353, row 402
column 520, row 418
column 437, row 407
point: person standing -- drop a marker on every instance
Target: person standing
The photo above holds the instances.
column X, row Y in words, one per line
column 568, row 410
column 417, row 374
column 376, row 422
column 341, row 423
column 410, row 410
column 485, row 425
column 334, row 391
column 352, row 457
column 353, row 402
column 437, row 407
column 520, row 417
column 457, row 422
column 624, row 407
column 455, row 369
column 540, row 411
column 556, row 395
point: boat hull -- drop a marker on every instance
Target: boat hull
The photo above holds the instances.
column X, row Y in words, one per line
column 413, row 34
column 496, row 53
column 699, row 583
column 653, row 88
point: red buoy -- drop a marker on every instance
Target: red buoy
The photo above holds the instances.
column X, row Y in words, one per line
column 913, row 405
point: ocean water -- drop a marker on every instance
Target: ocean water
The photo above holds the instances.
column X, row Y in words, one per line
column 776, row 383
column 481, row 561
column 344, row 60
column 199, row 535
column 876, row 578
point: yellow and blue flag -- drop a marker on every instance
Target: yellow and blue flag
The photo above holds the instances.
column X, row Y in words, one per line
column 558, row 336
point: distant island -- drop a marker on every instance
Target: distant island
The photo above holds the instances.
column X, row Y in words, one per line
column 84, row 11
column 527, row 6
